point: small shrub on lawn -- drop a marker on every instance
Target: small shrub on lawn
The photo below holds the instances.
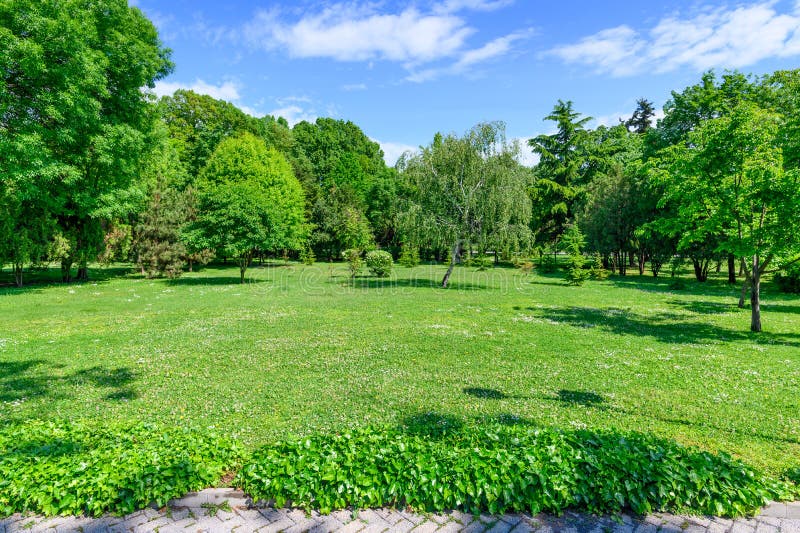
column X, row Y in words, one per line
column 409, row 256
column 60, row 468
column 379, row 262
column 503, row 469
column 354, row 261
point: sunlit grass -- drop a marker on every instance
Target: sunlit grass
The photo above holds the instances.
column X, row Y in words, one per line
column 300, row 349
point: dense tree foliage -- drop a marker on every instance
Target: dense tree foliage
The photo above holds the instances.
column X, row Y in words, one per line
column 75, row 123
column 249, row 201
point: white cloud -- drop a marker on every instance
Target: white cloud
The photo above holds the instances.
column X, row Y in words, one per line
column 228, row 91
column 491, row 50
column 297, row 109
column 355, row 87
column 351, row 32
column 453, row 6
column 393, row 151
column 358, row 31
column 721, row 38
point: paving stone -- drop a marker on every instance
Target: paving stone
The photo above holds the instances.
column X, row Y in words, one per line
column 793, row 511
column 464, row 519
column 429, row 526
column 790, row 526
column 511, row 519
column 326, row 524
column 501, row 527
column 352, row 527
column 411, row 517
column 475, row 527
column 439, row 518
column 741, row 527
column 645, row 527
column 402, row 526
column 523, row 527
column 450, row 527
column 777, row 510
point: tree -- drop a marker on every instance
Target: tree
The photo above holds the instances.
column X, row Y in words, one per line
column 249, row 200
column 72, row 73
column 465, row 190
column 642, row 119
column 730, row 183
column 557, row 178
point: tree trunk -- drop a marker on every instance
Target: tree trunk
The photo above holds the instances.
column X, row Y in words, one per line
column 66, row 270
column 755, row 297
column 190, row 264
column 743, row 295
column 700, row 270
column 731, row 269
column 622, row 263
column 641, row 259
column 631, row 259
column 453, row 261
column 83, row 271
column 18, row 274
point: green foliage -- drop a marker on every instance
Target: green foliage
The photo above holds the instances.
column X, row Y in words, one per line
column 60, row 468
column 77, row 128
column 409, row 256
column 354, row 261
column 248, row 200
column 307, row 256
column 573, row 243
column 789, row 280
column 379, row 262
column 597, row 271
column 499, row 469
column 468, row 189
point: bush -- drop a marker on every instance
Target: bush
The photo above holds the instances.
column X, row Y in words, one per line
column 307, row 256
column 59, row 468
column 409, row 256
column 597, row 270
column 354, row 261
column 379, row 262
column 789, row 280
column 499, row 469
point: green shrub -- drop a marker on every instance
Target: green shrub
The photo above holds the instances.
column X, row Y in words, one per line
column 354, row 261
column 409, row 256
column 379, row 262
column 597, row 270
column 59, row 468
column 501, row 469
column 307, row 256
column 789, row 280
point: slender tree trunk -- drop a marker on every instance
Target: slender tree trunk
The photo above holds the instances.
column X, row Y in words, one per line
column 700, row 270
column 18, row 274
column 83, row 270
column 731, row 269
column 190, row 264
column 641, row 258
column 631, row 259
column 66, row 270
column 755, row 297
column 244, row 262
column 743, row 295
column 453, row 261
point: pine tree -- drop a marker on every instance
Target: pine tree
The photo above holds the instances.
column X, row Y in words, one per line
column 159, row 251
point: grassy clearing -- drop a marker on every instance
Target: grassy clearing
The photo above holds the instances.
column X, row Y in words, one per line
column 301, row 350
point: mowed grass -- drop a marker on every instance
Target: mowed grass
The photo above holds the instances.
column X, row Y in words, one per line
column 302, row 349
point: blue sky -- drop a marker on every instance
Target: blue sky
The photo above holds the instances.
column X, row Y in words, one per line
column 404, row 70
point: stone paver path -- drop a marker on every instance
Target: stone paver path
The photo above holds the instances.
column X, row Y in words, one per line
column 226, row 510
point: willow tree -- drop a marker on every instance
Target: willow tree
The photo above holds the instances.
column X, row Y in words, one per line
column 467, row 190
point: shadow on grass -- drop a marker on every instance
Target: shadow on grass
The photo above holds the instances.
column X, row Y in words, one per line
column 211, row 281
column 413, row 283
column 30, row 379
column 38, row 280
column 666, row 327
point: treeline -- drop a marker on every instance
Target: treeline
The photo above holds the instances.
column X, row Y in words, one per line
column 95, row 168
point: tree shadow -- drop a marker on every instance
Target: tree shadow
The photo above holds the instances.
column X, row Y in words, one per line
column 39, row 280
column 705, row 308
column 581, row 398
column 22, row 380
column 211, row 281
column 666, row 327
column 413, row 283
column 486, row 394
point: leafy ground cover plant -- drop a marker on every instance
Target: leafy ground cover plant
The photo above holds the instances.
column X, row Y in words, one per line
column 504, row 469
column 61, row 468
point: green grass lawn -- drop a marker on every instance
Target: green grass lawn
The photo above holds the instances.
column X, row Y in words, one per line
column 300, row 349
